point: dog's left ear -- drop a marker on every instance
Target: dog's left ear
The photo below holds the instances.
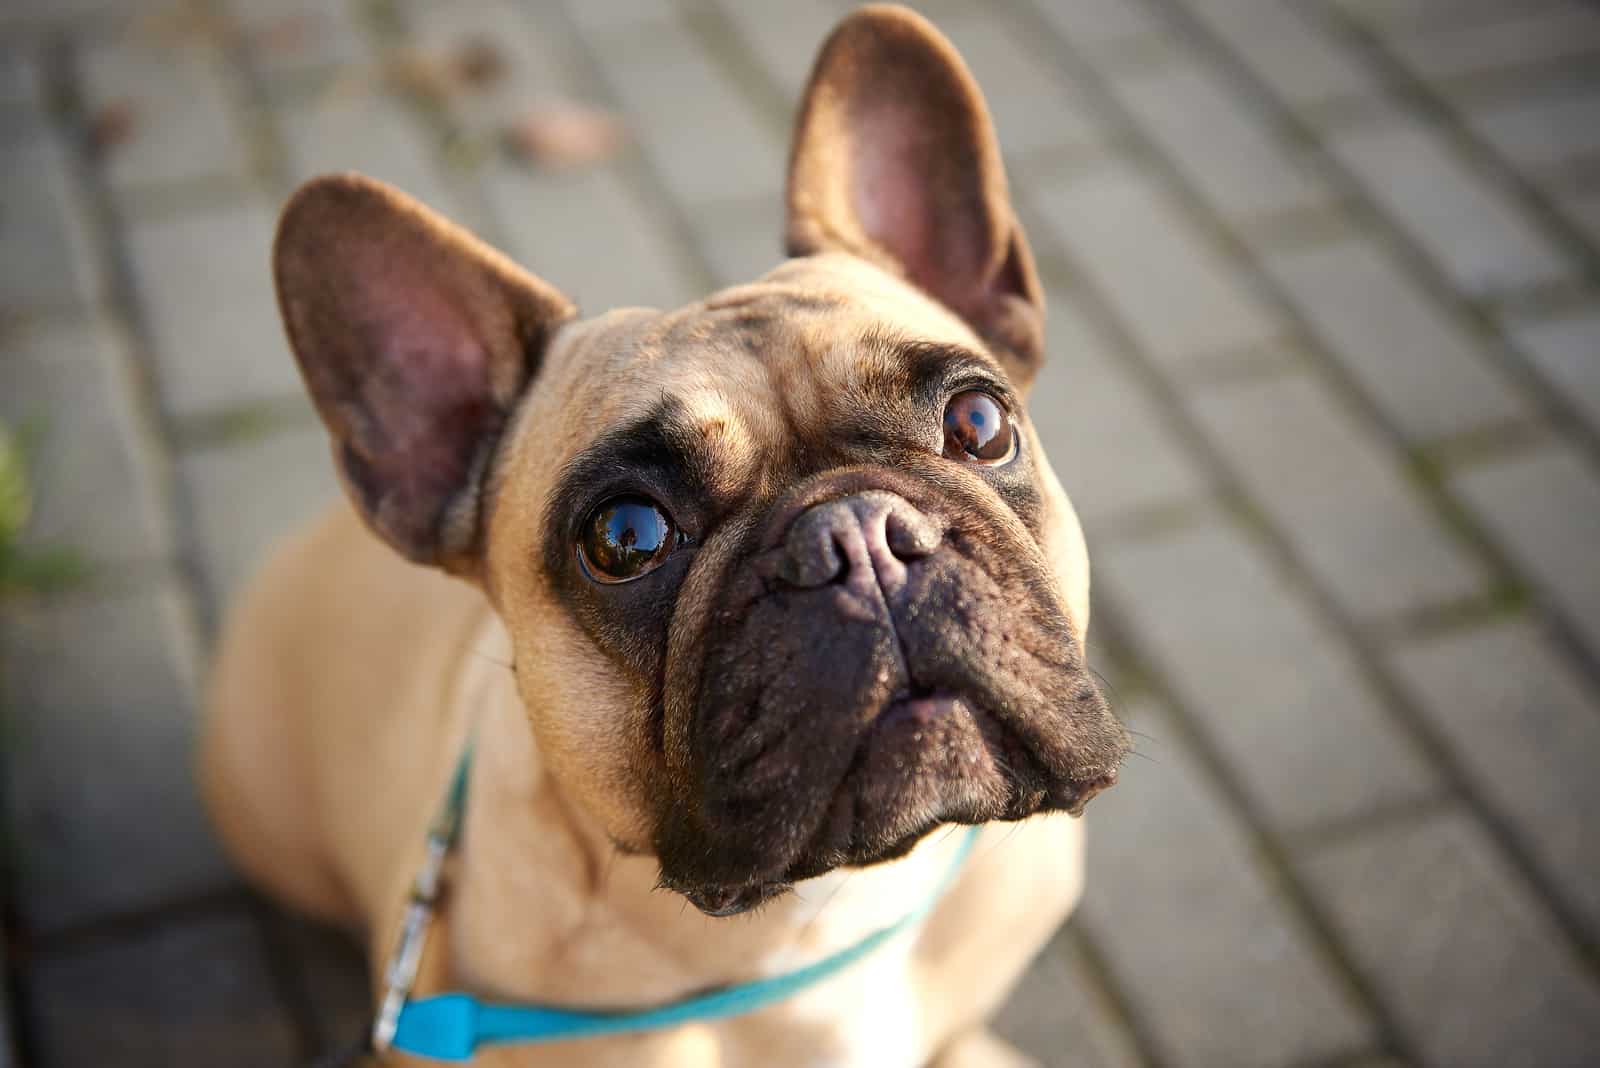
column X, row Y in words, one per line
column 896, row 161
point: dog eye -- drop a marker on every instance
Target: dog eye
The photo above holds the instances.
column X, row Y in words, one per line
column 978, row 430
column 624, row 538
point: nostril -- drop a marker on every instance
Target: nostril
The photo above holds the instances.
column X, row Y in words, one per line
column 910, row 534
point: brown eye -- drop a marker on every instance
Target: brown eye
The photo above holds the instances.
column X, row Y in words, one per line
column 624, row 538
column 977, row 430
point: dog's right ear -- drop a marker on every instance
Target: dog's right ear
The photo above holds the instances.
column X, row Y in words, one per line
column 416, row 341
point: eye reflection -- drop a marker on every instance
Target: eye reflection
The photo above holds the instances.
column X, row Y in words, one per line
column 625, row 538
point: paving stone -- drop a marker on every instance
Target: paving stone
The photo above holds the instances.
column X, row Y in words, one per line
column 1220, row 143
column 245, row 497
column 1276, row 689
column 369, row 133
column 204, row 280
column 590, row 235
column 1428, row 374
column 1285, row 50
column 1566, row 350
column 740, row 241
column 1056, row 1015
column 180, row 127
column 1093, row 25
column 698, row 128
column 1109, row 441
column 784, row 37
column 1527, row 731
column 101, row 803
column 1459, row 951
column 67, row 384
column 1480, row 238
column 1174, row 292
column 197, row 993
column 1543, row 507
column 1034, row 109
column 46, row 257
column 1452, row 47
column 1338, row 496
column 1544, row 129
column 1218, row 967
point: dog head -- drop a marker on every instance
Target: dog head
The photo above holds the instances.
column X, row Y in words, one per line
column 787, row 575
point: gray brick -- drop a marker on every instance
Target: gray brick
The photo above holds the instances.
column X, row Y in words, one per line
column 1479, row 237
column 1544, row 129
column 1566, row 351
column 784, row 37
column 1428, row 374
column 193, row 994
column 1057, row 1016
column 1223, row 146
column 1109, row 441
column 740, row 242
column 1527, row 731
column 99, row 694
column 1544, row 508
column 204, row 279
column 1220, row 969
column 1457, row 48
column 1033, row 107
column 69, row 384
column 1279, row 693
column 1461, row 954
column 1174, row 291
column 1285, row 50
column 696, row 126
column 588, row 233
column 248, row 496
column 180, row 127
column 46, row 257
column 1093, row 25
column 1319, row 474
column 364, row 132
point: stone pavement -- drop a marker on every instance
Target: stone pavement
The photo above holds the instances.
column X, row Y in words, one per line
column 1325, row 311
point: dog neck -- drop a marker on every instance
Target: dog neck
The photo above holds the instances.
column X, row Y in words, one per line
column 543, row 904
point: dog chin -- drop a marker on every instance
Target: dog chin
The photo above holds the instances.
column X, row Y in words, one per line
column 928, row 761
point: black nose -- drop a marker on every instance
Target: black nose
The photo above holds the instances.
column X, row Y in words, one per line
column 863, row 537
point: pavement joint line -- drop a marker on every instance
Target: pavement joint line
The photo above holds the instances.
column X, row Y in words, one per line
column 1334, row 832
column 1442, row 117
column 1112, row 993
column 239, row 425
column 105, row 225
column 638, row 172
column 1377, row 223
column 1356, row 634
column 1424, row 477
column 1272, row 859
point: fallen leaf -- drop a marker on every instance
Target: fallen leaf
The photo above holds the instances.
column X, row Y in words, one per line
column 566, row 135
column 113, row 125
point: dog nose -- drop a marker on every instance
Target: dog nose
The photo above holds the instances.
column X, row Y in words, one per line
column 866, row 535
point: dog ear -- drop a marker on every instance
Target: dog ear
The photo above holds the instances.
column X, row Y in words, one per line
column 895, row 160
column 415, row 340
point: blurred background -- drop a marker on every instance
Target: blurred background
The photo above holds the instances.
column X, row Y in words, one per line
column 1324, row 284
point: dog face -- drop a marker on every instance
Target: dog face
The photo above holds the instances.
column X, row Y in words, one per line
column 788, row 578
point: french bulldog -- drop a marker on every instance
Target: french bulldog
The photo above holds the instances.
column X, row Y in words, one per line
column 742, row 607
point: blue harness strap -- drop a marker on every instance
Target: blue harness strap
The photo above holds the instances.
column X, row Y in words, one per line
column 451, row 1027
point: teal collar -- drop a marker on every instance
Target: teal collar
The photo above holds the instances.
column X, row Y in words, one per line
column 451, row 1027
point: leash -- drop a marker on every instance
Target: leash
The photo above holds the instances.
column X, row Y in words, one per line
column 451, row 1027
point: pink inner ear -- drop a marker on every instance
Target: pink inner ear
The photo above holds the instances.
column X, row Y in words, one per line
column 890, row 188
